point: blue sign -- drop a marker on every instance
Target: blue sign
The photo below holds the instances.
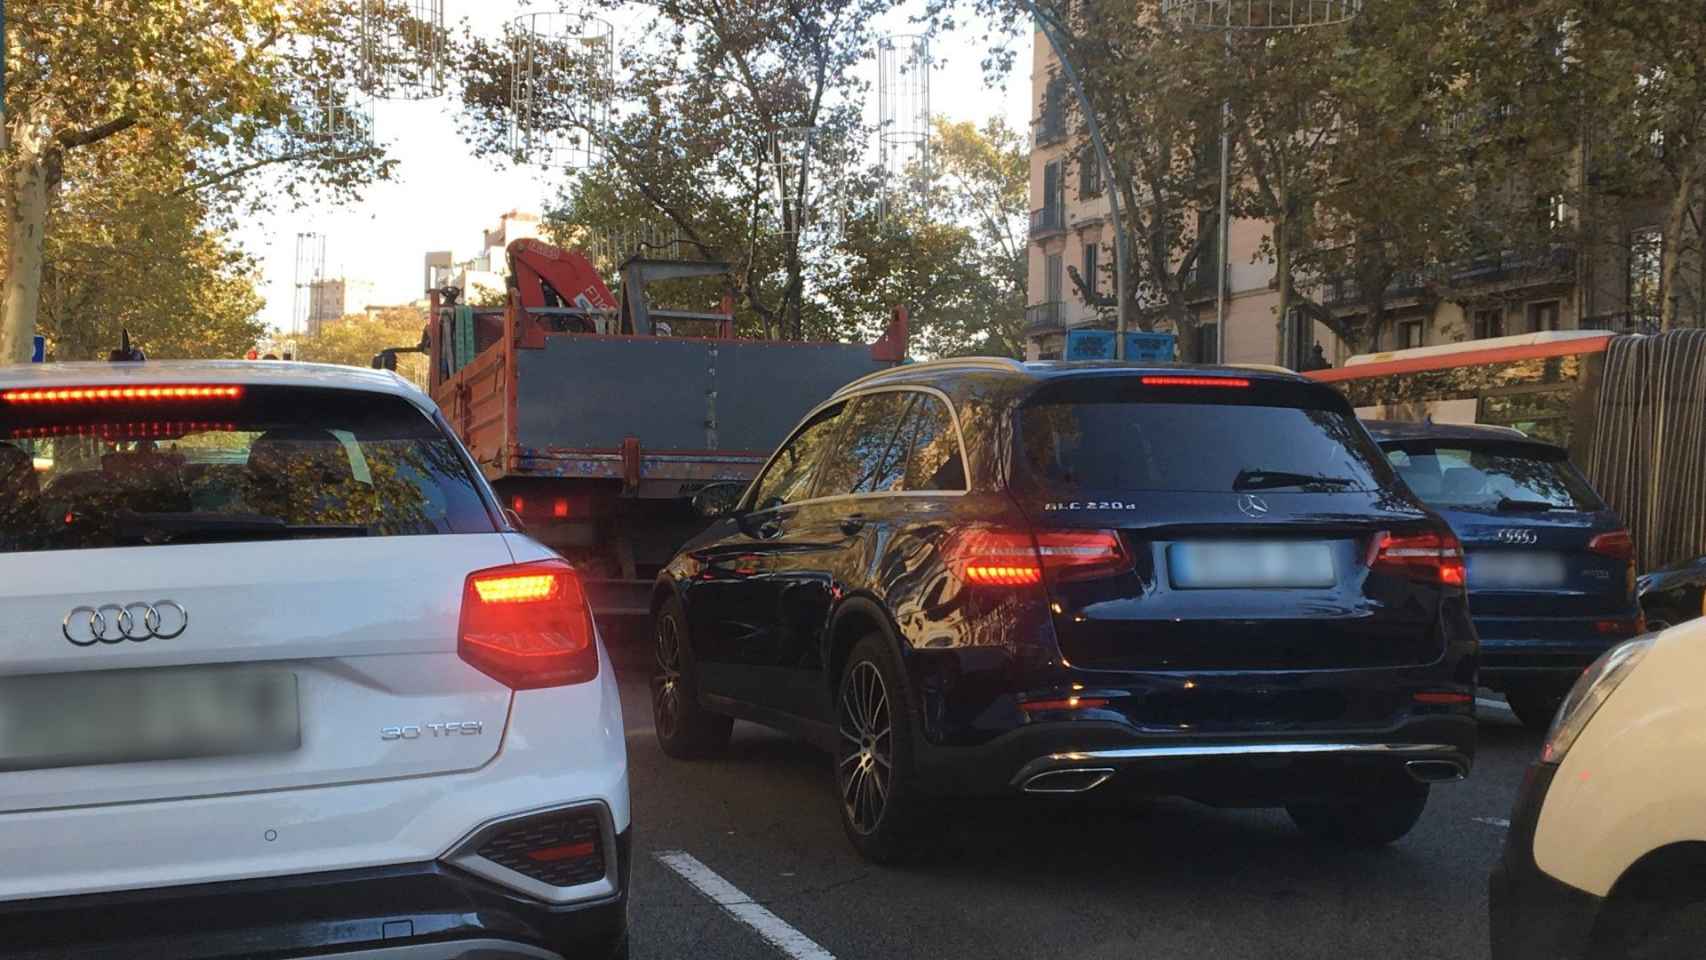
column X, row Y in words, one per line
column 1099, row 345
column 39, row 355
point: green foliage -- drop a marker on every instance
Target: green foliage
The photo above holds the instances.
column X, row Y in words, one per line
column 356, row 338
column 233, row 95
column 131, row 249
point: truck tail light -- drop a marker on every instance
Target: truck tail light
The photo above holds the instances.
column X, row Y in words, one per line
column 1616, row 544
column 1433, row 557
column 528, row 625
column 1016, row 558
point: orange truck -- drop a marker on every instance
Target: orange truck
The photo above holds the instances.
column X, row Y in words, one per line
column 596, row 418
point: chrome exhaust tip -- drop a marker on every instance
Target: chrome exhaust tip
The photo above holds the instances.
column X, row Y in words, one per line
column 1069, row 780
column 1436, row 771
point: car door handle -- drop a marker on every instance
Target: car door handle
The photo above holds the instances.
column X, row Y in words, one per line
column 852, row 524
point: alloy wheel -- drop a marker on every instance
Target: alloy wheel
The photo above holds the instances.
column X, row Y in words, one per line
column 666, row 682
column 864, row 766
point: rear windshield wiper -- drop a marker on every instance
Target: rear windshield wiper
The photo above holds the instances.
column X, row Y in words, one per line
column 1507, row 505
column 161, row 528
column 1270, row 479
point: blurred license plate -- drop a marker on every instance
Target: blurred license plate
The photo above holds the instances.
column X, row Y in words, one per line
column 1246, row 564
column 124, row 716
column 1516, row 570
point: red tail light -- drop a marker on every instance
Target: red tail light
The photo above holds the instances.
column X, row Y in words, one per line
column 1064, row 703
column 1433, row 557
column 1015, row 558
column 528, row 626
column 1616, row 544
column 560, row 507
column 162, row 392
column 1234, row 383
column 1622, row 628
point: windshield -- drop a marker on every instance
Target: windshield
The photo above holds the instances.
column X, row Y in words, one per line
column 1120, row 446
column 277, row 463
column 1491, row 477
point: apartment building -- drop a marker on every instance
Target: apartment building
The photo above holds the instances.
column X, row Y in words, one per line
column 1608, row 283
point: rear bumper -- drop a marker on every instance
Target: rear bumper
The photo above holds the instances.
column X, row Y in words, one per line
column 1533, row 915
column 1556, row 660
column 421, row 911
column 1255, row 770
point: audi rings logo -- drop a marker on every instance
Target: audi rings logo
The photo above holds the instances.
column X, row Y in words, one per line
column 1517, row 535
column 112, row 623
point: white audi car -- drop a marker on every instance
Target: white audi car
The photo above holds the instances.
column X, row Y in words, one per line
column 278, row 679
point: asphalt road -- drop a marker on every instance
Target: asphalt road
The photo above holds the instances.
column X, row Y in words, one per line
column 1025, row 879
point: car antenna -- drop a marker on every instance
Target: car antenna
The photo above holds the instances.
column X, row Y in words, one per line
column 125, row 352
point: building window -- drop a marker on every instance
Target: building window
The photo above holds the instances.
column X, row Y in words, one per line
column 1053, row 275
column 1543, row 316
column 1208, row 343
column 1089, row 176
column 1091, row 268
column 1410, row 334
column 1053, row 186
column 1051, row 126
column 1489, row 323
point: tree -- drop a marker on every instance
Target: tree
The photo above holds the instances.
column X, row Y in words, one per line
column 354, row 340
column 957, row 260
column 1156, row 92
column 228, row 88
column 131, row 250
column 1628, row 82
column 721, row 91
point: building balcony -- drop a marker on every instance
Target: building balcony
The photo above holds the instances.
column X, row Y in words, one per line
column 1048, row 129
column 1342, row 291
column 1043, row 317
column 1048, row 221
column 1542, row 264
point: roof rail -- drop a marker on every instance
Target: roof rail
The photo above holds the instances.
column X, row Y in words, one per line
column 1004, row 364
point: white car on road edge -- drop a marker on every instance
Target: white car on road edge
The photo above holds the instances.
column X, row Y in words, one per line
column 1606, row 855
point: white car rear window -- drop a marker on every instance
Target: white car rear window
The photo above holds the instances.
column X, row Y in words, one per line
column 270, row 463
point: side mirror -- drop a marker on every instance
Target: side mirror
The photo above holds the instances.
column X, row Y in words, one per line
column 515, row 520
column 717, row 500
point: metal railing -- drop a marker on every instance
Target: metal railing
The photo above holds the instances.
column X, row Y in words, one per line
column 1048, row 220
column 1045, row 315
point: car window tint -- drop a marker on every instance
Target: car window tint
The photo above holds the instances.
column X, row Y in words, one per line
column 935, row 461
column 1481, row 477
column 790, row 475
column 275, row 463
column 870, row 456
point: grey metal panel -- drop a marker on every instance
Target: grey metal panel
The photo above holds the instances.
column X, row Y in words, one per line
column 588, row 393
column 765, row 388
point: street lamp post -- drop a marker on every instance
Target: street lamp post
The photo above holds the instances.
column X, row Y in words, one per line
column 1056, row 36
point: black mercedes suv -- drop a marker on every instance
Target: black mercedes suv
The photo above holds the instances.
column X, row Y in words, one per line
column 977, row 576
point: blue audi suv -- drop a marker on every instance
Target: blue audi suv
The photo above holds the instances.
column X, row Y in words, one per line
column 978, row 576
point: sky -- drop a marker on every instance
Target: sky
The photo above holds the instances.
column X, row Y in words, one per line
column 442, row 196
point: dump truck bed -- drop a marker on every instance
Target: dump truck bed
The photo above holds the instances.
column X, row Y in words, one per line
column 700, row 409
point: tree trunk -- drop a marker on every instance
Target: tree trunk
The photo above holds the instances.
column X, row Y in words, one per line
column 1282, row 266
column 28, row 190
column 1676, row 218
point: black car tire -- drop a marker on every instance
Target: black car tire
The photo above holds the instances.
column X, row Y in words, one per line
column 1374, row 819
column 1647, row 929
column 1535, row 706
column 881, row 807
column 685, row 729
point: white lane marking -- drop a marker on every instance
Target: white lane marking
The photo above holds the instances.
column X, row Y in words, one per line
column 1499, row 822
column 740, row 906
